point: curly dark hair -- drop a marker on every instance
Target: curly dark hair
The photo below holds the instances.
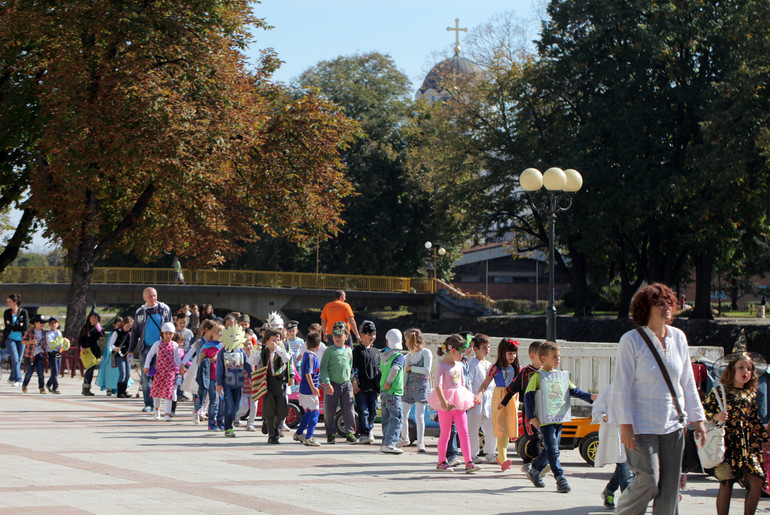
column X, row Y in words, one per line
column 648, row 298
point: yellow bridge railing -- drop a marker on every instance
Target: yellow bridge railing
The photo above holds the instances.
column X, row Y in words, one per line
column 158, row 276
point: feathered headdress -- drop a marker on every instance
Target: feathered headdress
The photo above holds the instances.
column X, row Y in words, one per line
column 233, row 338
column 274, row 321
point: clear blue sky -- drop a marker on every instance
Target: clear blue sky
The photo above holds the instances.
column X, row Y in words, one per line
column 411, row 31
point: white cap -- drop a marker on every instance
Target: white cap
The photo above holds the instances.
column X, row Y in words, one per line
column 168, row 327
column 393, row 337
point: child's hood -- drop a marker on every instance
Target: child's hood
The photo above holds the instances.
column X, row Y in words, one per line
column 388, row 353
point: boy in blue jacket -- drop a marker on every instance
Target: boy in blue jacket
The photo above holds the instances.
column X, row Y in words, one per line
column 550, row 355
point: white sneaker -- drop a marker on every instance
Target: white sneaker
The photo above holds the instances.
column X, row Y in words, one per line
column 196, row 417
column 364, row 439
column 236, row 423
column 157, row 416
column 526, row 467
column 403, row 443
column 389, row 449
column 455, row 462
column 421, row 447
column 250, row 428
column 168, row 418
column 479, row 459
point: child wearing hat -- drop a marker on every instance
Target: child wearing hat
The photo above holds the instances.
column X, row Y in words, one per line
column 336, row 366
column 392, row 388
column 34, row 353
column 366, row 380
column 166, row 368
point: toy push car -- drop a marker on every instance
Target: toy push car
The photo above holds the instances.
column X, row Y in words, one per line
column 579, row 434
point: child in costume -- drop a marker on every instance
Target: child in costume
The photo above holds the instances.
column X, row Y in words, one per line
column 505, row 421
column 518, row 387
column 273, row 356
column 450, row 398
column 35, row 353
column 232, row 363
column 391, row 390
column 308, row 392
column 166, row 368
column 417, row 366
column 745, row 436
column 480, row 415
column 550, row 355
column 118, row 344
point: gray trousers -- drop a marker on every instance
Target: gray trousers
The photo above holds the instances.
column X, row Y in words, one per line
column 657, row 464
column 343, row 393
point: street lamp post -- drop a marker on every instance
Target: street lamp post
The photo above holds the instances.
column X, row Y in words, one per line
column 560, row 185
column 435, row 253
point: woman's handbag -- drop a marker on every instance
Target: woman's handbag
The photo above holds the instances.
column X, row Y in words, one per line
column 88, row 358
column 712, row 453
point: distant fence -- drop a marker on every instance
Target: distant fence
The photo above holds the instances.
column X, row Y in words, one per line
column 249, row 278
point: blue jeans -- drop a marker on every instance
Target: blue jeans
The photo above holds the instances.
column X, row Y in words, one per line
column 366, row 406
column 452, row 446
column 232, row 402
column 621, row 478
column 124, row 368
column 54, row 360
column 146, row 380
column 211, row 391
column 15, row 352
column 391, row 418
column 550, row 453
column 35, row 364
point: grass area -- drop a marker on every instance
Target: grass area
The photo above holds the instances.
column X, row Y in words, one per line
column 390, row 314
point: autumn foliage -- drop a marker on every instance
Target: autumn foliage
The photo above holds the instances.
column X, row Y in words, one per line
column 153, row 135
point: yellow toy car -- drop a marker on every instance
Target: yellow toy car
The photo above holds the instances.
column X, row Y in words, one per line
column 578, row 433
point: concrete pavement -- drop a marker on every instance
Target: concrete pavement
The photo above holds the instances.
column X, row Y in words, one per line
column 73, row 454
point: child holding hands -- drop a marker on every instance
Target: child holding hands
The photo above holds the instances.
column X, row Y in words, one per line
column 310, row 367
column 166, row 368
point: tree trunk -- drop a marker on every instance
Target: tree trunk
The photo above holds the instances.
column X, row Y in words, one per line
column 77, row 296
column 20, row 237
column 704, row 270
column 579, row 284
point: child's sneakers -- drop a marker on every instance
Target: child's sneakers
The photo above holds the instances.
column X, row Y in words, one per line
column 299, row 438
column 389, row 449
column 562, row 486
column 534, row 476
column 351, row 438
column 167, row 417
column 230, row 433
column 251, row 428
column 444, row 467
column 157, row 416
column 455, row 462
column 505, row 465
column 331, row 439
column 526, row 467
column 609, row 499
column 310, row 442
column 364, row 439
column 421, row 447
column 213, row 427
column 196, row 417
column 471, row 467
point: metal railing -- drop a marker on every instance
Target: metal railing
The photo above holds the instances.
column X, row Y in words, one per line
column 249, row 278
column 482, row 299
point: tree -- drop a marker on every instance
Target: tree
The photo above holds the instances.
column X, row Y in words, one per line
column 148, row 126
column 395, row 211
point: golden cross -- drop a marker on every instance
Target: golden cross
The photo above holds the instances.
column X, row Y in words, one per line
column 457, row 31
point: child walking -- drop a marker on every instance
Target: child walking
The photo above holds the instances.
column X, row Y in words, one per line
column 480, row 416
column 366, row 381
column 232, row 363
column 336, row 367
column 278, row 362
column 550, row 355
column 34, row 353
column 310, row 368
column 505, row 421
column 54, row 356
column 391, row 390
column 119, row 343
column 417, row 365
column 610, row 450
column 745, row 437
column 207, row 379
column 450, row 398
column 166, row 367
column 518, row 387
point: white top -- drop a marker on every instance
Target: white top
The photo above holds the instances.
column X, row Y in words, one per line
column 414, row 357
column 319, row 352
column 640, row 395
column 478, row 371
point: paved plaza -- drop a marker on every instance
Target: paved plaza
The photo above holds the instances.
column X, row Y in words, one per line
column 72, row 454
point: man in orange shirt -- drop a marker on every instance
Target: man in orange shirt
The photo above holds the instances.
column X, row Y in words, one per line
column 338, row 311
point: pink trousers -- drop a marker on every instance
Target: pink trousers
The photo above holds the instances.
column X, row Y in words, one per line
column 445, row 419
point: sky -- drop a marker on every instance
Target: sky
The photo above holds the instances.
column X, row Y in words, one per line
column 412, row 32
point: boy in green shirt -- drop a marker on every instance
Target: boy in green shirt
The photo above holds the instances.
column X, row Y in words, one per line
column 336, row 364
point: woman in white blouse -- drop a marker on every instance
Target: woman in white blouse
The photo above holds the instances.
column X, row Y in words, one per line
column 651, row 428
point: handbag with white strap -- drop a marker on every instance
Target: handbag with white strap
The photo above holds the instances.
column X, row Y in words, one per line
column 712, row 453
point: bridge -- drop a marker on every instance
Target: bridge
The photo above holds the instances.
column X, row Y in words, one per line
column 254, row 292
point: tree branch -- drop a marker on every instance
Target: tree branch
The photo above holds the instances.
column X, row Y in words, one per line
column 19, row 238
column 140, row 206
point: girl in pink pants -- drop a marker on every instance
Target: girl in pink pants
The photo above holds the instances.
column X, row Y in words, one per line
column 450, row 398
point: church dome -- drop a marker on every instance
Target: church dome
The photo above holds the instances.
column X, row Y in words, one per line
column 444, row 71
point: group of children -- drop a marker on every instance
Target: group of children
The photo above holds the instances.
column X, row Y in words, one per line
column 41, row 344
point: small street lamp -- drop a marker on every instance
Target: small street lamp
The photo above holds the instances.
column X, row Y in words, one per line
column 560, row 185
column 435, row 253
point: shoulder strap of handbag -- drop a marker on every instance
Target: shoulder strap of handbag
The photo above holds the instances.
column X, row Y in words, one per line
column 664, row 371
